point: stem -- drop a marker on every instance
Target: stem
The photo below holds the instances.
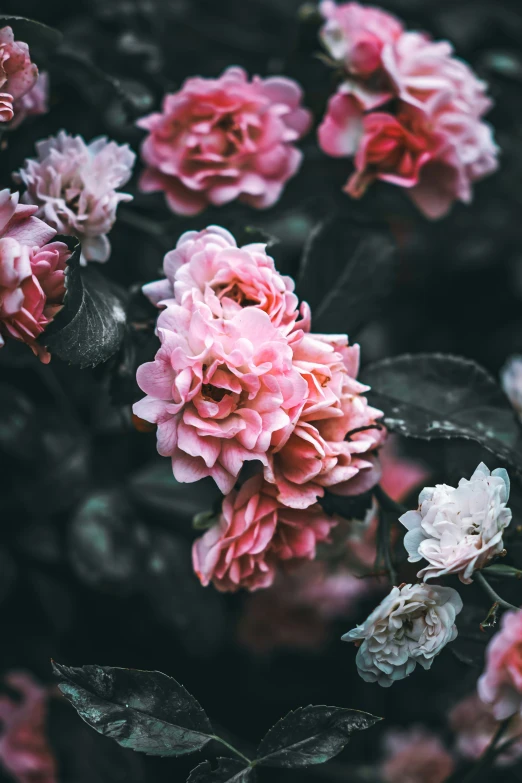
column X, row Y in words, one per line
column 386, row 502
column 232, row 748
column 483, row 582
column 489, row 754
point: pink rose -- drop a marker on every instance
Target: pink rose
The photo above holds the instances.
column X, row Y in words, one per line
column 18, row 74
column 415, row 756
column 31, row 274
column 74, row 186
column 337, row 432
column 218, row 390
column 501, row 683
column 207, row 266
column 24, row 749
column 392, row 149
column 356, row 34
column 34, row 102
column 475, row 726
column 221, row 139
column 255, row 532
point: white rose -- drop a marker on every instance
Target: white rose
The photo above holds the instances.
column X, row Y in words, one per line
column 458, row 530
column 411, row 625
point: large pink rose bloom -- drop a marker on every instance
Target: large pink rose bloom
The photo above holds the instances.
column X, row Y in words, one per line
column 207, row 266
column 333, row 444
column 219, row 390
column 254, row 534
column 222, row 139
column 74, row 185
column 501, row 684
column 31, row 274
column 18, row 74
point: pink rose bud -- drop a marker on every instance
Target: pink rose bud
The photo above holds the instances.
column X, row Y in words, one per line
column 18, row 74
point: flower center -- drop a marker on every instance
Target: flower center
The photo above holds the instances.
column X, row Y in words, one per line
column 214, row 393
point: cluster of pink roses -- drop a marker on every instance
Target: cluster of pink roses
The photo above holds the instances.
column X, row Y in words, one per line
column 239, row 377
column 407, row 110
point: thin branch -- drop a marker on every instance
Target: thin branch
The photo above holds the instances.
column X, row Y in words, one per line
column 483, row 582
column 489, row 755
column 233, row 749
column 387, row 503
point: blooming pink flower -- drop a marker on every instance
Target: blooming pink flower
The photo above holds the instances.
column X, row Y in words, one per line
column 219, row 390
column 31, row 274
column 337, row 432
column 207, row 266
column 221, row 139
column 254, row 534
column 32, row 103
column 501, row 683
column 18, row 74
column 431, row 139
column 355, row 35
column 24, row 750
column 415, row 756
column 475, row 726
column 74, row 184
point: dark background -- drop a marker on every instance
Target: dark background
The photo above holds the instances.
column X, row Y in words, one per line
column 89, row 509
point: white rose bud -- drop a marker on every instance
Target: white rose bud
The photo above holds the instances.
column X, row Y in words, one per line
column 411, row 625
column 458, row 530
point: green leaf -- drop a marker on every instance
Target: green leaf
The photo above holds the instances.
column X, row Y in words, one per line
column 227, row 771
column 431, row 396
column 40, row 38
column 348, row 269
column 90, row 327
column 145, row 711
column 311, row 735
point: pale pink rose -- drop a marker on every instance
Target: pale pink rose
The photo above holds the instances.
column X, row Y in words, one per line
column 355, row 35
column 219, row 390
column 18, row 74
column 31, row 274
column 74, row 185
column 254, row 534
column 207, row 266
column 24, row 749
column 334, row 441
column 501, row 683
column 421, row 69
column 34, row 102
column 475, row 726
column 458, row 530
column 217, row 140
column 415, row 756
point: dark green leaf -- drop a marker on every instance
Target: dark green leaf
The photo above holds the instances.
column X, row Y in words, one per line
column 104, row 545
column 441, row 396
column 311, row 735
column 347, row 271
column 90, row 327
column 227, row 771
column 40, row 38
column 145, row 711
